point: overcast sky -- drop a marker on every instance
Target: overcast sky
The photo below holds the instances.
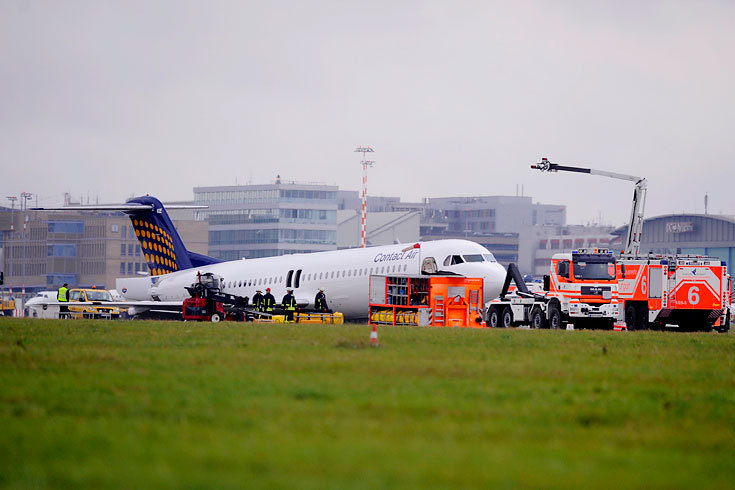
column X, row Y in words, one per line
column 458, row 98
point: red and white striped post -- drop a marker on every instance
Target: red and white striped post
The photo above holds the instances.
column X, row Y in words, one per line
column 365, row 164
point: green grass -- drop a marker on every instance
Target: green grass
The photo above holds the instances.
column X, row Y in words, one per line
column 99, row 404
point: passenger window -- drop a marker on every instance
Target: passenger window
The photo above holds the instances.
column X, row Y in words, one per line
column 349, row 273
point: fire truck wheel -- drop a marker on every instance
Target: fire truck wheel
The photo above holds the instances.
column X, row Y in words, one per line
column 216, row 317
column 724, row 328
column 493, row 317
column 631, row 317
column 554, row 317
column 537, row 318
column 507, row 317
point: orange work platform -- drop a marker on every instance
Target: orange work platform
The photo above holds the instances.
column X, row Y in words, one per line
column 429, row 301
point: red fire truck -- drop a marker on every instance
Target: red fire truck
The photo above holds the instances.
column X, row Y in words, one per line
column 689, row 292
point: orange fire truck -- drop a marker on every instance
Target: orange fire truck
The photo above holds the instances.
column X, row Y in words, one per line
column 689, row 292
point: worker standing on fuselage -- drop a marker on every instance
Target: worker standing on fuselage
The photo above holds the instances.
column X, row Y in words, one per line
column 289, row 304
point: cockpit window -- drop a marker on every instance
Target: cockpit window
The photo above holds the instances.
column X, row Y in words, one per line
column 489, row 257
column 473, row 258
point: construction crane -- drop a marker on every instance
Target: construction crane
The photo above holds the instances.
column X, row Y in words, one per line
column 635, row 227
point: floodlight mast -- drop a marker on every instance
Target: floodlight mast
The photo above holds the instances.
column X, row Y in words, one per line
column 365, row 164
column 635, row 226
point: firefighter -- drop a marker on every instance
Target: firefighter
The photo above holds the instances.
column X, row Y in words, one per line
column 289, row 304
column 63, row 297
column 269, row 302
column 258, row 300
column 320, row 302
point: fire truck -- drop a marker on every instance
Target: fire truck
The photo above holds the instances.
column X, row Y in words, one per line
column 581, row 288
column 658, row 290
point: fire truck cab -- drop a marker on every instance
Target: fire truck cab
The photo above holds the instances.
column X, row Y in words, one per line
column 584, row 285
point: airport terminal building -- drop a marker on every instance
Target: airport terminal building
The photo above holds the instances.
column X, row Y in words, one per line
column 252, row 221
column 695, row 234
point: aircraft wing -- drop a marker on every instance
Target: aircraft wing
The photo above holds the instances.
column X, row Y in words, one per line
column 134, row 307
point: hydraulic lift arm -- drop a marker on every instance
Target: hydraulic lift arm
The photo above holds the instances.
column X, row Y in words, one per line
column 635, row 227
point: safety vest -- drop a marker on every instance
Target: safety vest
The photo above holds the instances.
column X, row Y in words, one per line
column 289, row 302
column 268, row 302
column 61, row 295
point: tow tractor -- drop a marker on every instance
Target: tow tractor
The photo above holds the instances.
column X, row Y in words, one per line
column 657, row 290
column 580, row 289
column 209, row 303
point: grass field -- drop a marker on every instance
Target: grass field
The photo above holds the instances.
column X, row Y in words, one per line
column 94, row 404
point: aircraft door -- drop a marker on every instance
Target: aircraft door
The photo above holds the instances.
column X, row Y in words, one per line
column 289, row 276
column 428, row 266
column 298, row 278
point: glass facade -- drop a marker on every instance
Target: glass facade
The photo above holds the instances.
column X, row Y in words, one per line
column 267, row 220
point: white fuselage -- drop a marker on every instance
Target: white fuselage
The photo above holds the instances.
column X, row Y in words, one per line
column 344, row 274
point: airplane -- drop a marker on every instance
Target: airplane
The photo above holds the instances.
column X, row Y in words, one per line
column 343, row 274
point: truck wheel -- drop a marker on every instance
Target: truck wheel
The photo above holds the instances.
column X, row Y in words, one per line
column 631, row 317
column 216, row 317
column 493, row 317
column 554, row 317
column 537, row 318
column 507, row 317
column 725, row 327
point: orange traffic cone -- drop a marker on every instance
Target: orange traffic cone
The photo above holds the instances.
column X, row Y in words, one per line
column 620, row 326
column 374, row 337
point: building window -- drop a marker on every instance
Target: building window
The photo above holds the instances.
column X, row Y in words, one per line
column 122, row 267
column 137, row 250
column 61, row 250
column 124, row 231
column 114, row 228
column 130, row 267
column 122, row 250
column 76, row 227
column 130, row 250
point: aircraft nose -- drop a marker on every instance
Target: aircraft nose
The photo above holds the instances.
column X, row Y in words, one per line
column 494, row 281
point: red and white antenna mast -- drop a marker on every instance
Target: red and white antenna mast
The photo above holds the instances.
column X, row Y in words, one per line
column 365, row 164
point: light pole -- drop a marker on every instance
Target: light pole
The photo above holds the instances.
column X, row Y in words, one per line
column 12, row 200
column 365, row 164
column 25, row 197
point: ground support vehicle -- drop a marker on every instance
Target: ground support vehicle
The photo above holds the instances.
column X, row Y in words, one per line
column 90, row 303
column 433, row 301
column 7, row 306
column 209, row 303
column 581, row 289
column 686, row 291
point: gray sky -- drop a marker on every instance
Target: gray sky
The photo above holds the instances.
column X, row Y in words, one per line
column 117, row 98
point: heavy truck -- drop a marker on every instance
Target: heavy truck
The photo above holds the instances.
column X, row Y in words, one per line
column 581, row 289
column 689, row 292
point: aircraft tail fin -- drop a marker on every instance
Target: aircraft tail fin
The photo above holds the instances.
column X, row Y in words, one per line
column 162, row 246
